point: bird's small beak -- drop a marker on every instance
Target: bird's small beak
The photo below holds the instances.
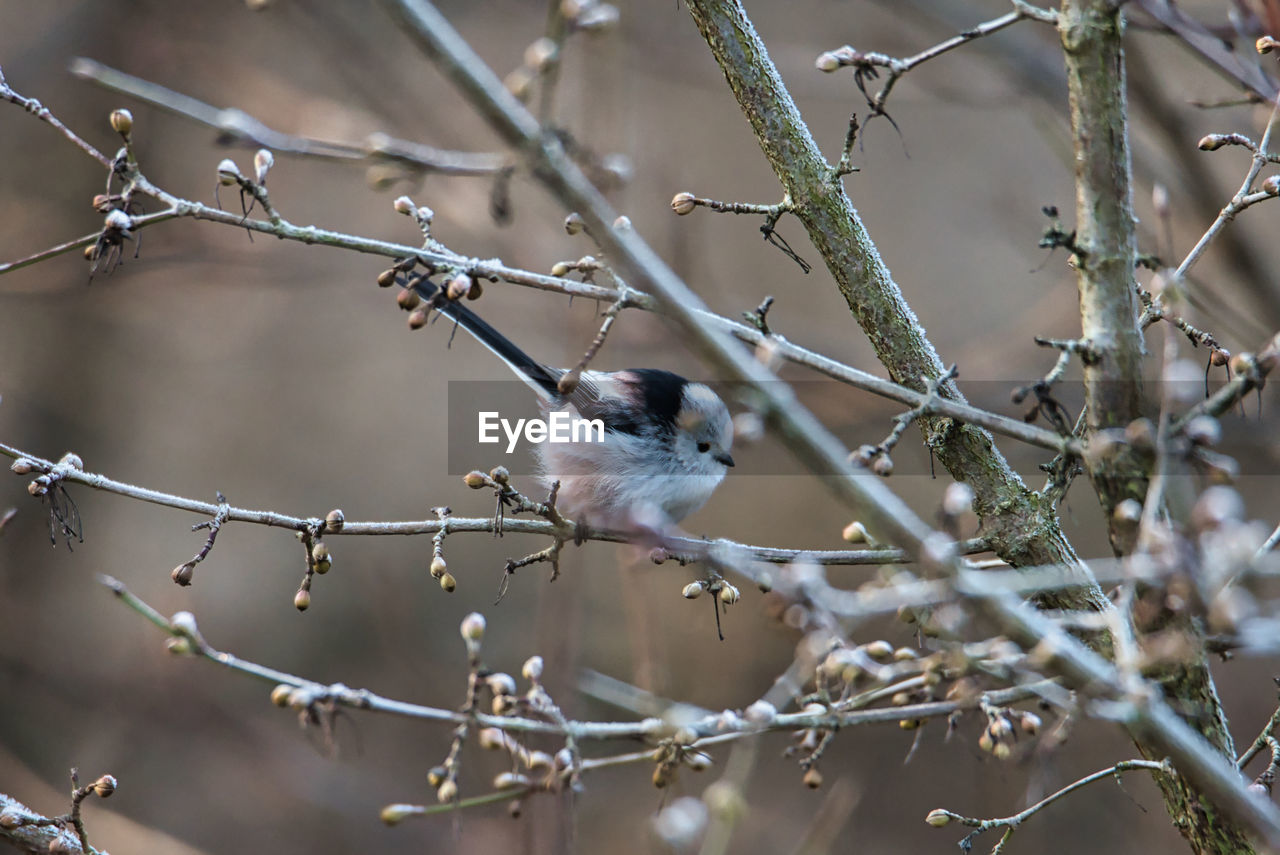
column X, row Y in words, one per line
column 723, row 457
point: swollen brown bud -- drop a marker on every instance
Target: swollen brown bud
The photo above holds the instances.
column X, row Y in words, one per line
column 228, row 172
column 448, row 583
column 458, row 287
column 1211, row 142
column 104, row 786
column 418, row 318
column 302, row 600
column 281, row 694
column 683, row 203
column 827, row 61
column 938, row 818
column 122, row 122
column 183, row 573
column 334, row 520
column 387, row 278
column 574, row 224
column 519, row 82
column 539, row 53
column 474, row 479
column 854, row 532
column 408, row 299
column 568, row 382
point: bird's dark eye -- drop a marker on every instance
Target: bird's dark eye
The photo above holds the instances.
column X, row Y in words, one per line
column 704, row 447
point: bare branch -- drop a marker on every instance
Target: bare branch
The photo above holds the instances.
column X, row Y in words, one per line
column 245, row 130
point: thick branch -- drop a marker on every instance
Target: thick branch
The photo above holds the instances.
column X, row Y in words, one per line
column 1091, row 33
column 1023, row 528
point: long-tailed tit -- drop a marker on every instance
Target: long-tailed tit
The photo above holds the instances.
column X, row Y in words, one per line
column 666, row 440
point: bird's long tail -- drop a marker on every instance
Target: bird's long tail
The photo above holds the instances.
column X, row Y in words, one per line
column 541, row 378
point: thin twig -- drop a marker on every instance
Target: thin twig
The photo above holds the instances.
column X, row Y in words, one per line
column 1243, row 198
column 1010, row 823
column 243, row 129
column 457, row 525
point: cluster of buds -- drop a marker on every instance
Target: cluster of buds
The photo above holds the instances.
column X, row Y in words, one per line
column 1002, row 728
column 587, row 266
column 499, row 478
column 439, row 567
column 543, row 54
column 874, row 456
column 675, row 752
column 44, row 482
column 1194, row 443
column 421, row 214
column 726, row 592
column 533, row 768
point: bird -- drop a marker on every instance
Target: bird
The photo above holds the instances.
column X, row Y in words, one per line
column 666, row 443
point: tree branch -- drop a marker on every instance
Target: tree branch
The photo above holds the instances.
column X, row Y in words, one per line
column 1023, row 529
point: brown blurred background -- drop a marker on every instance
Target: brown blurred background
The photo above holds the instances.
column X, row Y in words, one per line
column 279, row 374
